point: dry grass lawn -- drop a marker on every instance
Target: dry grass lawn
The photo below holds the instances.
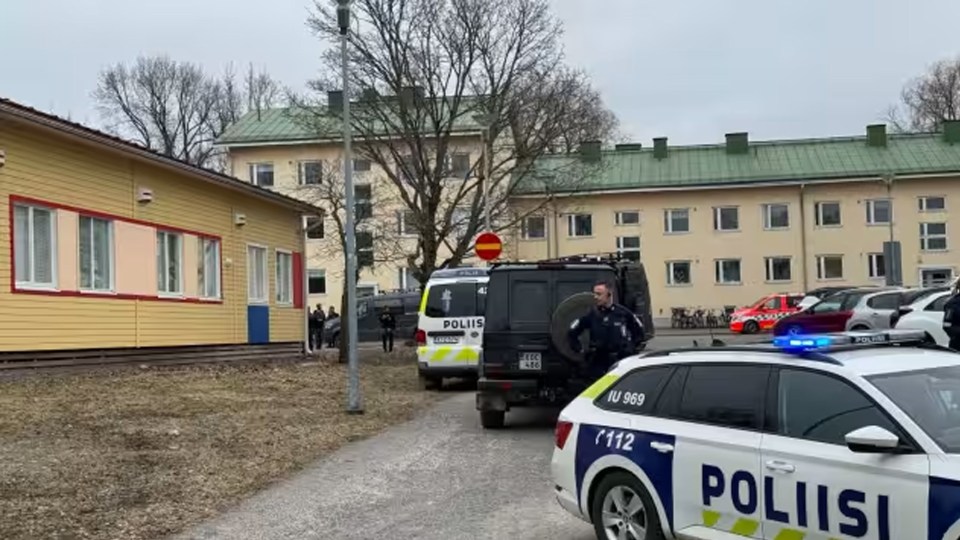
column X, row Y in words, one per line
column 143, row 454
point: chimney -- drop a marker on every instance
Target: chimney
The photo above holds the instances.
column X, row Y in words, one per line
column 628, row 147
column 737, row 143
column 951, row 131
column 877, row 135
column 590, row 151
column 335, row 100
column 660, row 147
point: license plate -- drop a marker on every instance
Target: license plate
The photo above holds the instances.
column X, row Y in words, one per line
column 446, row 340
column 530, row 360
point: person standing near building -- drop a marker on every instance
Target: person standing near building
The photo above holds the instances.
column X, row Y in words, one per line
column 388, row 324
column 317, row 321
column 615, row 332
column 951, row 318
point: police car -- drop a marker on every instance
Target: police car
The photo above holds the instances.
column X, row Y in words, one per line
column 851, row 435
column 450, row 324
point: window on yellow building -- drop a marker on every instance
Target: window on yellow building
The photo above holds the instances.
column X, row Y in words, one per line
column 208, row 268
column 533, row 228
column 776, row 216
column 676, row 220
column 96, row 254
column 727, row 271
column 726, row 218
column 317, row 281
column 678, row 273
column 627, row 217
column 309, row 173
column 778, row 268
column 406, row 222
column 933, row 236
column 261, row 174
column 34, row 246
column 361, row 165
column 879, row 211
column 828, row 214
column 628, row 247
column 315, row 228
column 875, row 265
column 257, row 283
column 829, row 266
column 284, row 268
column 932, row 203
column 169, row 263
column 579, row 225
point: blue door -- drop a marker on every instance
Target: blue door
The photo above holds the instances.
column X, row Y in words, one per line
column 258, row 324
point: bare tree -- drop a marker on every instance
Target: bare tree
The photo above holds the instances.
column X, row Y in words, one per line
column 431, row 76
column 177, row 109
column 928, row 100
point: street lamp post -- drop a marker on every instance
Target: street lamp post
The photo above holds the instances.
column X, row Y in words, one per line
column 354, row 405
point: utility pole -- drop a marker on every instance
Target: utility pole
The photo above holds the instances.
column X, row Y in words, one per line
column 354, row 405
column 487, row 171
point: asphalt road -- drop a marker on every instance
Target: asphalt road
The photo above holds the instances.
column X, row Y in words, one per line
column 440, row 476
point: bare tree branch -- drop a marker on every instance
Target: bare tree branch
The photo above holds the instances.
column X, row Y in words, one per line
column 928, row 100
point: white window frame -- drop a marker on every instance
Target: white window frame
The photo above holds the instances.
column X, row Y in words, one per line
column 254, row 169
column 251, row 298
column 283, row 293
column 717, row 222
column 768, row 268
column 165, row 256
column 874, row 270
column 203, row 271
column 818, row 214
column 767, row 210
column 821, row 267
column 718, row 272
column 306, row 228
column 525, row 228
column 670, row 273
column 925, row 236
column 668, row 220
column 31, row 283
column 111, row 256
column 922, row 203
column 402, row 223
column 621, row 250
column 317, row 272
column 618, row 218
column 358, row 170
column 872, row 209
column 572, row 225
column 302, row 172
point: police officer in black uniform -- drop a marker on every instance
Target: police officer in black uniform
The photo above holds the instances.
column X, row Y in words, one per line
column 951, row 318
column 615, row 332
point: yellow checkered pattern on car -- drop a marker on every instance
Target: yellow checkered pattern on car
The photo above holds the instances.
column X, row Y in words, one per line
column 449, row 354
column 747, row 527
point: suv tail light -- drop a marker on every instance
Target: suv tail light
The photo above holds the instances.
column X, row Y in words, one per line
column 561, row 433
column 421, row 337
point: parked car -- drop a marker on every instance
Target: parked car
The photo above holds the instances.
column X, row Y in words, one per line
column 816, row 295
column 764, row 313
column 403, row 305
column 834, row 312
column 926, row 313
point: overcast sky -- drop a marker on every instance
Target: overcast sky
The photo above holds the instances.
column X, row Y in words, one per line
column 690, row 70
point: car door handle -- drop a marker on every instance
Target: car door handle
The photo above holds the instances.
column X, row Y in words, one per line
column 663, row 448
column 780, row 466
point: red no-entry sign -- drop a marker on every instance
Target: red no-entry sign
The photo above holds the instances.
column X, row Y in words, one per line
column 488, row 246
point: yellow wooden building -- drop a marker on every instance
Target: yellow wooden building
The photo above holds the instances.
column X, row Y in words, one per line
column 112, row 246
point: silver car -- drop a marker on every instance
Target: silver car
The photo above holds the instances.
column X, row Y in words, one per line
column 880, row 310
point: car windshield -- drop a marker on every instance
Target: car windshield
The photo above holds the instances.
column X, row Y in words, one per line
column 931, row 397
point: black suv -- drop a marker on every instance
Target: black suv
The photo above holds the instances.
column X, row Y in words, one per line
column 527, row 360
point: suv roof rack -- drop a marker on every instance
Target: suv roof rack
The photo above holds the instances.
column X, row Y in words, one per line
column 607, row 258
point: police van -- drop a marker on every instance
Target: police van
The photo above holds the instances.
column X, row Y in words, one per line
column 851, row 435
column 449, row 331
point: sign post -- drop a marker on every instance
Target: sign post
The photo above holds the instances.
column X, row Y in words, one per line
column 488, row 246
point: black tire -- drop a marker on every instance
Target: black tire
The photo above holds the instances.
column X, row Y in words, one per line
column 621, row 480
column 492, row 419
column 568, row 311
column 430, row 383
column 751, row 327
column 637, row 291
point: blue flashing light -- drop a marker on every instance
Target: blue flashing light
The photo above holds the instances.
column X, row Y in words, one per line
column 800, row 343
column 813, row 342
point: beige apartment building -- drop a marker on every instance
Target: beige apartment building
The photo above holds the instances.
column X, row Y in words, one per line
column 722, row 225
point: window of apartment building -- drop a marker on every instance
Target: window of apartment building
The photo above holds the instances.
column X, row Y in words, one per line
column 363, row 201
column 361, row 165
column 776, row 216
column 257, row 282
column 829, row 266
column 533, row 228
column 778, row 268
column 316, row 281
column 678, row 273
column 676, row 220
column 261, row 174
column 405, row 279
column 315, row 228
column 628, row 247
column 309, row 172
column 879, row 211
column 627, row 217
column 208, row 267
column 96, row 254
column 875, row 265
column 727, row 271
column 34, row 246
column 284, row 277
column 459, row 165
column 726, row 218
column 932, row 203
column 933, row 236
column 828, row 214
column 169, row 262
column 407, row 222
column 579, row 225
column 460, row 221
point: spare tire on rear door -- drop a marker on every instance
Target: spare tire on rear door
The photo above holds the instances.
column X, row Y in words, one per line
column 571, row 309
column 637, row 298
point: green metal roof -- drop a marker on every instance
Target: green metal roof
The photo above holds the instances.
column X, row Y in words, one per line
column 765, row 161
column 296, row 125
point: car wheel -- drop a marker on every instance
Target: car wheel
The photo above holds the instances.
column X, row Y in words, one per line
column 492, row 419
column 622, row 508
column 430, row 383
column 751, row 327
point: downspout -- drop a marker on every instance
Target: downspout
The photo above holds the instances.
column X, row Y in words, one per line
column 306, row 283
column 803, row 237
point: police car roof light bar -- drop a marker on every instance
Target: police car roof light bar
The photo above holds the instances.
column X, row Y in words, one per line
column 848, row 340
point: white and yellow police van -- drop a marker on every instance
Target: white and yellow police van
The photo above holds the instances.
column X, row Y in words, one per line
column 450, row 325
column 835, row 436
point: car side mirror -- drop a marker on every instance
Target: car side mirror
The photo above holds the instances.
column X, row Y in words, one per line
column 872, row 440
